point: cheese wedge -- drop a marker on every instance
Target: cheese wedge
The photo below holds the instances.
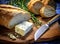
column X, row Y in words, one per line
column 23, row 28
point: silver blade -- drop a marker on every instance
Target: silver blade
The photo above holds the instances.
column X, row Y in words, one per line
column 40, row 31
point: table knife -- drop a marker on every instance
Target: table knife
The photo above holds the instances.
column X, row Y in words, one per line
column 45, row 27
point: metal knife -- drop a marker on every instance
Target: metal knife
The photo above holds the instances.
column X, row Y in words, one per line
column 45, row 27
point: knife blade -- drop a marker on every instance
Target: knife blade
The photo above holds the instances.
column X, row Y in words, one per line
column 40, row 31
column 45, row 27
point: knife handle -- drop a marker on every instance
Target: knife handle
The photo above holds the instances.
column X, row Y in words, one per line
column 53, row 20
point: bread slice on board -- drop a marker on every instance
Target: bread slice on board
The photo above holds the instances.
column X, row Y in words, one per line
column 10, row 15
column 34, row 6
column 47, row 11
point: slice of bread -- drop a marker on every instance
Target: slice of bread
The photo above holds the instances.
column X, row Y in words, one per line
column 34, row 6
column 47, row 11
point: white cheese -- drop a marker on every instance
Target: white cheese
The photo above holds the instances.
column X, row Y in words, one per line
column 23, row 28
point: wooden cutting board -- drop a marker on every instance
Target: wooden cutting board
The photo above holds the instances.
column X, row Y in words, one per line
column 52, row 33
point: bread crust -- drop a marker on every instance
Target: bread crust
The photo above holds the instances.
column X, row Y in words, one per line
column 50, row 3
column 8, row 12
column 45, row 2
column 32, row 8
column 42, row 10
